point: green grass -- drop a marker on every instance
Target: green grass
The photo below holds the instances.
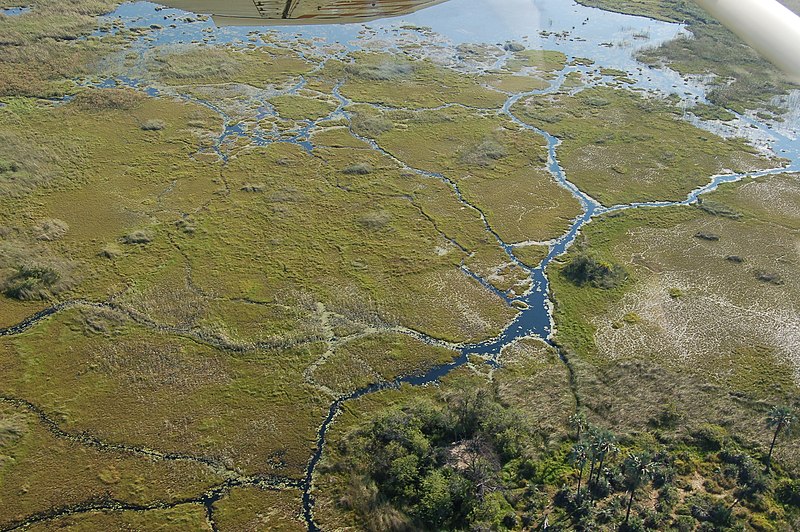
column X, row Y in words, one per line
column 159, row 391
column 39, row 470
column 366, row 360
column 296, row 107
column 620, row 147
column 380, row 78
column 743, row 79
column 184, row 517
column 259, row 67
column 498, row 167
column 531, row 255
column 255, row 509
column 709, row 340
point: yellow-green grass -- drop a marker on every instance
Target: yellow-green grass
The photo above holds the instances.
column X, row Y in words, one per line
column 133, row 385
column 499, row 167
column 302, row 107
column 354, row 241
column 252, row 509
column 337, row 137
column 531, row 255
column 40, row 52
column 545, row 62
column 40, row 471
column 198, row 65
column 387, row 80
column 693, row 337
column 621, row 147
column 374, row 358
column 516, row 83
column 90, row 165
column 181, row 518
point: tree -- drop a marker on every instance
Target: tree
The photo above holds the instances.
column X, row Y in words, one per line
column 639, row 470
column 594, row 433
column 779, row 418
column 578, row 457
column 604, row 443
column 578, row 422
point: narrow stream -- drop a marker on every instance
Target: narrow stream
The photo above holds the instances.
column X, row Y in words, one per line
column 587, row 38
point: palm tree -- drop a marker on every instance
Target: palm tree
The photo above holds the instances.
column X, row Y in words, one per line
column 603, row 445
column 779, row 418
column 639, row 469
column 578, row 422
column 594, row 436
column 578, row 457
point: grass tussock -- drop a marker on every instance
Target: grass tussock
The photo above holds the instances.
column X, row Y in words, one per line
column 358, row 169
column 141, row 236
column 485, row 154
column 51, row 229
column 32, row 282
column 107, row 100
column 369, row 125
column 153, row 125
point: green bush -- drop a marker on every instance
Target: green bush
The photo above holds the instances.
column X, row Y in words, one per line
column 358, row 169
column 584, row 269
column 788, row 491
column 710, row 437
column 32, row 282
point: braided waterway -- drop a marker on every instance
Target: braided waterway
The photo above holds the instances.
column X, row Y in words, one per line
column 608, row 39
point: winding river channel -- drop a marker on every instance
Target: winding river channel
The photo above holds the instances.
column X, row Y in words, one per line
column 609, row 39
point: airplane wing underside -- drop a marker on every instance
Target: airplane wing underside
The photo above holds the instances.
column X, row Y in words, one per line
column 288, row 12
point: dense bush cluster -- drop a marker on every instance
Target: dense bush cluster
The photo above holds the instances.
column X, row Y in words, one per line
column 437, row 466
column 584, row 269
column 469, row 462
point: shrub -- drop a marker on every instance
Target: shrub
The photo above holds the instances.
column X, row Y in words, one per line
column 110, row 251
column 711, row 237
column 358, row 169
column 683, row 523
column 718, row 209
column 587, row 270
column 8, row 167
column 769, row 277
column 153, row 125
column 488, row 151
column 32, row 282
column 710, row 437
column 375, row 220
column 138, row 237
column 788, row 491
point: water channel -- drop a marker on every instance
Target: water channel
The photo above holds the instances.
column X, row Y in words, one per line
column 608, row 39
